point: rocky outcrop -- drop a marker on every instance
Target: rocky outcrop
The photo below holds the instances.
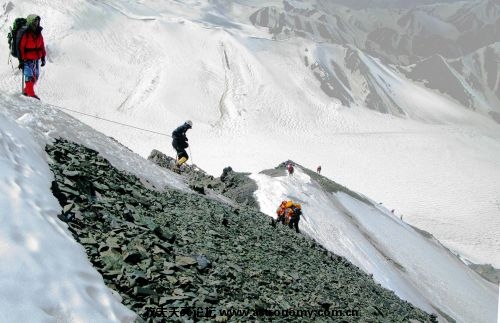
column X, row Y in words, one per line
column 233, row 185
column 171, row 250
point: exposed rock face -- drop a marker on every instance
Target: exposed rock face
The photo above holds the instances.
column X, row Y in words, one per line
column 472, row 80
column 236, row 186
column 183, row 251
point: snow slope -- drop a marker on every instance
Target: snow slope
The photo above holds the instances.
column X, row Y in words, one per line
column 40, row 252
column 416, row 266
column 254, row 103
column 156, row 65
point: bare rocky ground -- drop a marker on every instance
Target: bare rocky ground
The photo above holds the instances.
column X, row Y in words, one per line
column 180, row 257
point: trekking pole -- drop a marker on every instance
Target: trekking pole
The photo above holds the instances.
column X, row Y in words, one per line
column 22, row 81
column 190, row 154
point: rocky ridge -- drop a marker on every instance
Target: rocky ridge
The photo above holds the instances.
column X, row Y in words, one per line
column 238, row 187
column 183, row 253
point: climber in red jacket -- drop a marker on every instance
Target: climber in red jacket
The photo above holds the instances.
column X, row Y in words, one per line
column 31, row 51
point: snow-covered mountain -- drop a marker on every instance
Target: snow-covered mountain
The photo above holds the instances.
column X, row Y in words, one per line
column 472, row 80
column 465, row 31
column 266, row 81
column 40, row 254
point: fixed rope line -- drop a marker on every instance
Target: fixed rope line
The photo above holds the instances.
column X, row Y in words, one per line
column 122, row 124
column 116, row 122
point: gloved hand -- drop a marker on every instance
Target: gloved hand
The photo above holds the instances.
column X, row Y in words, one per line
column 21, row 65
column 43, row 61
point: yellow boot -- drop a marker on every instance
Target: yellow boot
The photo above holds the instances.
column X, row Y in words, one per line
column 181, row 161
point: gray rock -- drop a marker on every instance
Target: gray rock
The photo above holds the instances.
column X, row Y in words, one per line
column 203, row 262
column 185, row 261
column 129, row 233
column 70, row 173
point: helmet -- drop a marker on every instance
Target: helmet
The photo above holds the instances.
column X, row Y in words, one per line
column 30, row 20
column 190, row 123
column 298, row 206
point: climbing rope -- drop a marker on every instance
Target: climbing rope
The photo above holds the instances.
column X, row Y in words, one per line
column 115, row 122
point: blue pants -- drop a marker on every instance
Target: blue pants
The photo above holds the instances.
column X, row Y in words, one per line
column 31, row 70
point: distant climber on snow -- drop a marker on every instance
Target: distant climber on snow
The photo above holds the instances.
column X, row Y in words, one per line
column 289, row 168
column 318, row 170
column 180, row 142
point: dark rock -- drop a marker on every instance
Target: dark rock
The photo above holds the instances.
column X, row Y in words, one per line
column 144, row 291
column 164, row 235
column 132, row 257
column 141, row 241
column 197, row 188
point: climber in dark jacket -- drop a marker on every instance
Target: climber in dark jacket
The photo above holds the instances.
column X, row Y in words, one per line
column 295, row 218
column 180, row 142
